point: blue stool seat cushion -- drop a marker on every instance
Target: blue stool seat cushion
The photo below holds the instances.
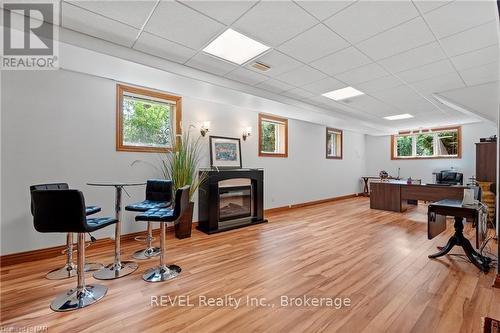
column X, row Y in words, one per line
column 158, row 215
column 146, row 205
column 99, row 222
column 89, row 210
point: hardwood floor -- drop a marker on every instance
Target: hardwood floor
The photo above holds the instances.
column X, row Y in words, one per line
column 377, row 259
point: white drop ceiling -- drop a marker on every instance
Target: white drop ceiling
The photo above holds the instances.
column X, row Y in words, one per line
column 399, row 53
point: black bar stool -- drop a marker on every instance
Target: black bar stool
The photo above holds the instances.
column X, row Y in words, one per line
column 69, row 269
column 158, row 195
column 164, row 215
column 64, row 211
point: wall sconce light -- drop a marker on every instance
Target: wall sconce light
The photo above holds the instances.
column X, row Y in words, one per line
column 204, row 128
column 246, row 133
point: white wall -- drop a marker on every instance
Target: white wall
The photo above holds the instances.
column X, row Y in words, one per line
column 60, row 126
column 378, row 156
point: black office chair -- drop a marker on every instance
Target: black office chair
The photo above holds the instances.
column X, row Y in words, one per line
column 64, row 211
column 449, row 177
column 164, row 215
column 69, row 269
column 158, row 195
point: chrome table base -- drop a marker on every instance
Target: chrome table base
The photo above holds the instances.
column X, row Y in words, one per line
column 161, row 273
column 146, row 253
column 114, row 271
column 92, row 266
column 78, row 298
column 65, row 272
column 118, row 268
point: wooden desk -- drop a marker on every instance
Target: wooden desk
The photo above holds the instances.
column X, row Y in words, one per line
column 394, row 195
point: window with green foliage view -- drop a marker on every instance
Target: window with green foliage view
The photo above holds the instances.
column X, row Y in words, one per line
column 273, row 138
column 147, row 120
column 404, row 145
column 441, row 143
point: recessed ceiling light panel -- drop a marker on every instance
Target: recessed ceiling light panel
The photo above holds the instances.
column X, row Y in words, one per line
column 344, row 93
column 399, row 116
column 235, row 47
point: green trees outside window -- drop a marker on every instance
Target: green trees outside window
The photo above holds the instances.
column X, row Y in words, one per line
column 147, row 122
column 436, row 143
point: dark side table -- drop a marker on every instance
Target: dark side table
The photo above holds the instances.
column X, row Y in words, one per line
column 454, row 208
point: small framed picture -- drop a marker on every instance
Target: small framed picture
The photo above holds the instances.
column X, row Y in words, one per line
column 225, row 152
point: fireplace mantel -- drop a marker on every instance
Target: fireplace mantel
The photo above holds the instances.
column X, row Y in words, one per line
column 209, row 199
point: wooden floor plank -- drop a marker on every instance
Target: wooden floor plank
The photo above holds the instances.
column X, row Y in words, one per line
column 375, row 258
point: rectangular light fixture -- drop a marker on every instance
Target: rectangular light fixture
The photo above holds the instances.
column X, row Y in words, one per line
column 399, row 116
column 235, row 47
column 344, row 93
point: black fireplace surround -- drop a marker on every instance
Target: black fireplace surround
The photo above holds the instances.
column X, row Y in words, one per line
column 231, row 198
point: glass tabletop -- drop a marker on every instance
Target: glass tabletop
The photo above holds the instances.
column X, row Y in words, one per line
column 121, row 184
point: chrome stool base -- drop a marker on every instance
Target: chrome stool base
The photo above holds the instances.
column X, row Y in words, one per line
column 161, row 273
column 65, row 272
column 78, row 298
column 92, row 266
column 146, row 253
column 115, row 271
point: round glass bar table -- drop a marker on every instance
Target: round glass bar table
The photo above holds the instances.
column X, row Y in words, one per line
column 118, row 268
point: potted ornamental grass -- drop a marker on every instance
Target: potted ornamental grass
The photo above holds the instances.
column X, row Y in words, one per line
column 181, row 165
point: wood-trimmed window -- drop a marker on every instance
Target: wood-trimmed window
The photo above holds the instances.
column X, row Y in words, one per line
column 427, row 144
column 146, row 120
column 334, row 140
column 273, row 136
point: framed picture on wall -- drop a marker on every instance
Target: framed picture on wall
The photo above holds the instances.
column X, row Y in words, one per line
column 225, row 152
column 333, row 143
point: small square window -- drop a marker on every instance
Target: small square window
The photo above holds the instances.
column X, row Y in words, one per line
column 273, row 136
column 333, row 143
column 147, row 121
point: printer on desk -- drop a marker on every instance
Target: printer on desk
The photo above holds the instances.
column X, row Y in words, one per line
column 449, row 177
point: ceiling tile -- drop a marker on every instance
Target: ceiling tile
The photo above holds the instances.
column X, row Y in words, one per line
column 378, row 84
column 323, row 86
column 404, row 98
column 472, row 39
column 365, row 19
column 481, row 74
column 297, row 93
column 301, row 76
column 427, row 5
column 86, row 22
column 315, row 43
column 134, row 13
column 246, row 76
column 175, row 22
column 274, row 22
column 163, row 48
column 279, row 62
column 211, row 64
column 223, row 11
column 362, row 74
column 413, row 58
column 372, row 106
column 274, row 86
column 323, row 9
column 481, row 99
column 458, row 16
column 427, row 71
column 341, row 61
column 476, row 58
column 401, row 38
column 439, row 84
